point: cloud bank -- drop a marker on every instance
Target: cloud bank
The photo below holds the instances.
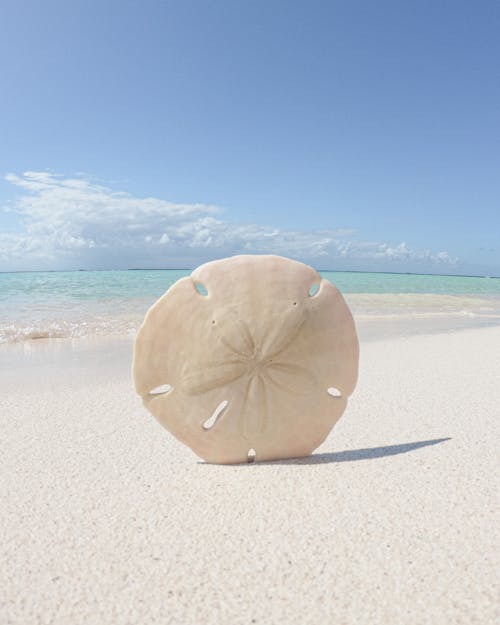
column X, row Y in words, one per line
column 72, row 223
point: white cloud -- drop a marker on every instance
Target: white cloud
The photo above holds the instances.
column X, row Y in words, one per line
column 74, row 222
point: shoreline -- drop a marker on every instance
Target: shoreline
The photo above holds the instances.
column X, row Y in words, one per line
column 370, row 325
column 58, row 305
column 397, row 319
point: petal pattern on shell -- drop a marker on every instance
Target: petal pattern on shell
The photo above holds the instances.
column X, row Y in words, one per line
column 285, row 375
column 283, row 331
column 211, row 375
column 254, row 408
column 241, row 342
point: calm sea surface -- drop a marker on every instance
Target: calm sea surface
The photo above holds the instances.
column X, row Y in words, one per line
column 81, row 303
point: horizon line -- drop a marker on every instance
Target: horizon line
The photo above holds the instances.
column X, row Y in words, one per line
column 397, row 273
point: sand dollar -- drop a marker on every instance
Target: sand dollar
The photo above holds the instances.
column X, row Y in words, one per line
column 249, row 357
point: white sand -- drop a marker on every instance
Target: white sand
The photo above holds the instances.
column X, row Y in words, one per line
column 106, row 519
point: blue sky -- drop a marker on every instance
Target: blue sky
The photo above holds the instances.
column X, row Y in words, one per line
column 351, row 135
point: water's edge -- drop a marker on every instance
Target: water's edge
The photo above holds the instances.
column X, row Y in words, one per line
column 47, row 305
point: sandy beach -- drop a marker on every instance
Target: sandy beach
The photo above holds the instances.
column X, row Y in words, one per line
column 106, row 518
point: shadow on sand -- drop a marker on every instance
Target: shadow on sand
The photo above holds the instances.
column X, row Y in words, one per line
column 345, row 456
column 359, row 454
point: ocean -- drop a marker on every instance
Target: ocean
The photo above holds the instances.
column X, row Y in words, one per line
column 74, row 304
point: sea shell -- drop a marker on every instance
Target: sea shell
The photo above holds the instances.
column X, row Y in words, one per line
column 249, row 358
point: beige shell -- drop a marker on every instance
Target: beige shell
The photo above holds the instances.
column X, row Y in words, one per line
column 270, row 362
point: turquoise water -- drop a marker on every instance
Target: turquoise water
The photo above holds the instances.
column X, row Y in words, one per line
column 349, row 282
column 59, row 304
column 147, row 282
